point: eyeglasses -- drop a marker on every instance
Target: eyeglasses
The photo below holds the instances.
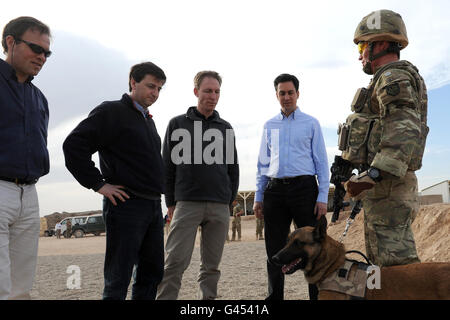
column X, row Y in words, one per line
column 362, row 45
column 35, row 48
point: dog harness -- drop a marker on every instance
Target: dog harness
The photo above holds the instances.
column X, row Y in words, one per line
column 348, row 281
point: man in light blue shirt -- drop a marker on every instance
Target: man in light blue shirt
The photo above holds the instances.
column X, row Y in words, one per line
column 292, row 155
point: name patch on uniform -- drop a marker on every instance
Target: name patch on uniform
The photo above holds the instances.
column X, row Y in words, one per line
column 393, row 89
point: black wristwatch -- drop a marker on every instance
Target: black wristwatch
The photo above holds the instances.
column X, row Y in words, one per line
column 374, row 174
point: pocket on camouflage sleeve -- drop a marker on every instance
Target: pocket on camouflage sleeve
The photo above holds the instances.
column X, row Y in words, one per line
column 399, row 93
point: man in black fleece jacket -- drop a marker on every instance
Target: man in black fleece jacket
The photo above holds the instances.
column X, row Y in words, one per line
column 202, row 179
column 129, row 147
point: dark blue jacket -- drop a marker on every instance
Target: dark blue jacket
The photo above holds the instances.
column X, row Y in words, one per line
column 129, row 148
column 23, row 127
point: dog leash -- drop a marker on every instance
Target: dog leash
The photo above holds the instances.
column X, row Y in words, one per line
column 355, row 210
column 361, row 254
column 347, row 226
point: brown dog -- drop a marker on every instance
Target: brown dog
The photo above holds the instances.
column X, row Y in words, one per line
column 319, row 256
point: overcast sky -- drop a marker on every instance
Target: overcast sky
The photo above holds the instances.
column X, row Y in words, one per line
column 248, row 42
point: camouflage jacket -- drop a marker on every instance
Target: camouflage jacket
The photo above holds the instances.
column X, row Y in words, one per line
column 388, row 128
column 236, row 210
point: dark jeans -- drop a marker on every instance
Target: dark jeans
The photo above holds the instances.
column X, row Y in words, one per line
column 282, row 204
column 134, row 239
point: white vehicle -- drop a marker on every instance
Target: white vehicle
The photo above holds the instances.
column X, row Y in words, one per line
column 74, row 220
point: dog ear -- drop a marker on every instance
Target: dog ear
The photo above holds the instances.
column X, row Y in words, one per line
column 320, row 231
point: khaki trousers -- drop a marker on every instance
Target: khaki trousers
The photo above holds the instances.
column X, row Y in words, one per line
column 214, row 219
column 19, row 237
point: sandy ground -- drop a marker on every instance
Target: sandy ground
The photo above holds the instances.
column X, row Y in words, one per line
column 243, row 269
column 243, row 263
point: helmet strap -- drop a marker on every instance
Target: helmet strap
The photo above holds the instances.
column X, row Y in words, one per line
column 368, row 67
column 393, row 48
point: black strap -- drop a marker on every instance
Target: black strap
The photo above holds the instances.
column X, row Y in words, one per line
column 393, row 48
column 361, row 254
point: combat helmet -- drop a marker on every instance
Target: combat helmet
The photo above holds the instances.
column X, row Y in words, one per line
column 382, row 25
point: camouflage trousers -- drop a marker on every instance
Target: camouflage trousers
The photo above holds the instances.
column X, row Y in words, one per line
column 236, row 226
column 389, row 210
column 259, row 227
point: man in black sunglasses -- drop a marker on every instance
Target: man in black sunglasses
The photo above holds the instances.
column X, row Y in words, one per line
column 35, row 48
column 23, row 148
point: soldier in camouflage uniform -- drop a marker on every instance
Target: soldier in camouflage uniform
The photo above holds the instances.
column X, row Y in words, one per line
column 259, row 228
column 236, row 223
column 69, row 228
column 386, row 134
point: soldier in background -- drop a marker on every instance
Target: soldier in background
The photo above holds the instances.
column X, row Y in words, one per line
column 259, row 228
column 387, row 134
column 236, row 223
column 69, row 228
column 228, row 230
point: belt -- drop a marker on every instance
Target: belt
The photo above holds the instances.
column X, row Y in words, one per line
column 19, row 181
column 147, row 195
column 291, row 180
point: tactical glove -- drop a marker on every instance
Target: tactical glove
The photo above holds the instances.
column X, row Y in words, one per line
column 358, row 186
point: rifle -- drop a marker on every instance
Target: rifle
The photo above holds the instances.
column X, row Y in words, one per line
column 341, row 171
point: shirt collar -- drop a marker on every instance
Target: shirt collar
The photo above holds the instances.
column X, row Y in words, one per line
column 293, row 115
column 143, row 110
column 8, row 71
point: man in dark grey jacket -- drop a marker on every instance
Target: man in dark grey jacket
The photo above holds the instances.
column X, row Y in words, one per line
column 202, row 179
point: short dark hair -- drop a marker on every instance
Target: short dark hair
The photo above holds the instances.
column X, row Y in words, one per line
column 19, row 26
column 206, row 74
column 139, row 71
column 286, row 78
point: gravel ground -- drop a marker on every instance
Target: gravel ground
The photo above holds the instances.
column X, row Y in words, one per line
column 243, row 276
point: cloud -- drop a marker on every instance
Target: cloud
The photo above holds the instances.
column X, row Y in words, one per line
column 56, row 137
column 80, row 75
column 438, row 76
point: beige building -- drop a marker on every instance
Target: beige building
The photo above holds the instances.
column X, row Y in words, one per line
column 441, row 189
